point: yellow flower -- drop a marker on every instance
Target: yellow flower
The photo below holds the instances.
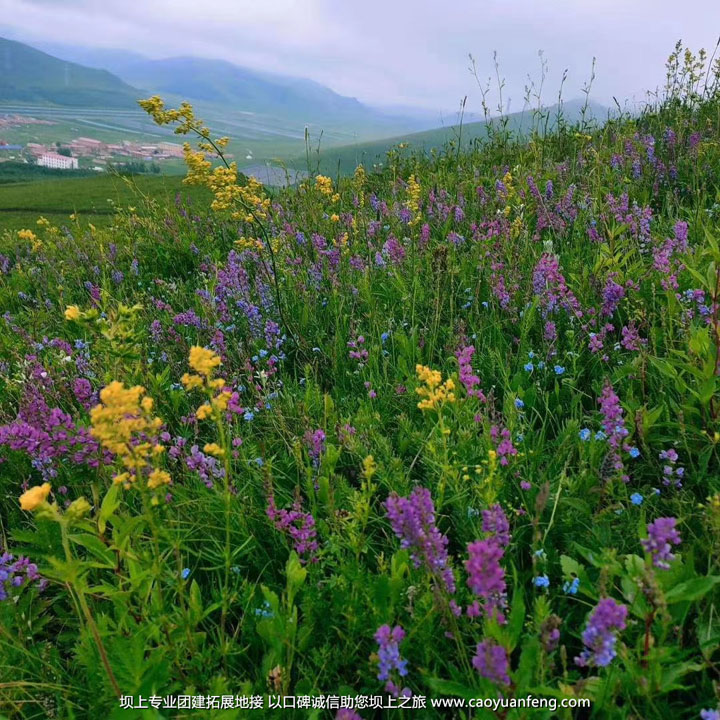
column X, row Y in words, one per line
column 203, row 412
column 435, row 392
column 203, row 361
column 34, row 497
column 324, row 184
column 413, row 201
column 213, row 449
column 369, row 467
column 123, row 418
column 335, row 217
column 72, row 312
column 191, row 381
column 158, row 478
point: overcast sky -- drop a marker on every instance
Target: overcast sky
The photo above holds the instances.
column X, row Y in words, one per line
column 411, row 52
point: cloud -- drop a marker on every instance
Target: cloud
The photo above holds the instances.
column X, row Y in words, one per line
column 395, row 51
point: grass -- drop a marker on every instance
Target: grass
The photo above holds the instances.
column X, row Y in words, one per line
column 445, row 431
column 93, row 199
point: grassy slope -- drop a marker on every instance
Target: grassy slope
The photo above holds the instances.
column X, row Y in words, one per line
column 22, row 203
column 28, row 75
column 346, row 159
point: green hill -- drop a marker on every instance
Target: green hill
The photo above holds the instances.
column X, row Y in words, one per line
column 345, row 159
column 31, row 76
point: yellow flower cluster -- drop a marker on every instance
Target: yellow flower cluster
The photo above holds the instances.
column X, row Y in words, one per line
column 204, row 362
column 434, row 392
column 31, row 237
column 184, row 115
column 413, row 202
column 244, row 243
column 72, row 312
column 324, row 184
column 359, row 178
column 34, row 497
column 124, row 424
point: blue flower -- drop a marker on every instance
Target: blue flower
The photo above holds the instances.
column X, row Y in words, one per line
column 542, row 581
column 584, row 434
column 541, row 365
column 571, row 588
column 531, row 354
column 258, row 461
column 185, row 573
column 385, row 336
column 634, row 452
column 249, row 416
column 540, row 554
column 600, row 435
column 559, row 369
column 529, row 367
column 519, row 404
column 636, row 499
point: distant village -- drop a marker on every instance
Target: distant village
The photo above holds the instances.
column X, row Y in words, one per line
column 94, row 154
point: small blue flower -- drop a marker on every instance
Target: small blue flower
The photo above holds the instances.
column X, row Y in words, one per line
column 636, row 499
column 385, row 336
column 519, row 404
column 263, row 353
column 185, row 573
column 249, row 416
column 634, row 452
column 584, row 434
column 542, row 581
column 540, row 554
column 541, row 365
column 520, row 437
column 529, row 367
column 258, row 461
column 472, row 512
column 559, row 369
column 571, row 588
column 485, row 304
column 600, row 435
column 531, row 354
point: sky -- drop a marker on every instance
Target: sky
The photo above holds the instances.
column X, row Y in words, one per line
column 396, row 52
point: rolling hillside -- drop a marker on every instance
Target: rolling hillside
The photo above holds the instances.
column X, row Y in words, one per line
column 28, row 75
column 346, row 159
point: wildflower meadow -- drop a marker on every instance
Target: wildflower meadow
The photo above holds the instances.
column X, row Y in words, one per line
column 442, row 430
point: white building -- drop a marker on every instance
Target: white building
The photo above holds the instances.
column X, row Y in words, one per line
column 61, row 162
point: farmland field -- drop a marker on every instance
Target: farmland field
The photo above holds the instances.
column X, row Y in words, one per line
column 443, row 432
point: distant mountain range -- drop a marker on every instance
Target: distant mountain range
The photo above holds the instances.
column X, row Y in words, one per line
column 211, row 82
column 28, row 75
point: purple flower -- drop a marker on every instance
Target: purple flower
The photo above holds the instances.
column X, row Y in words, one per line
column 662, row 535
column 467, row 376
column 389, row 659
column 614, row 426
column 299, row 526
column 495, row 521
column 492, row 662
column 486, row 577
column 413, row 521
column 599, row 636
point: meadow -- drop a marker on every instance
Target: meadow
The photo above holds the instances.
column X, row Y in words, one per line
column 448, row 430
column 79, row 201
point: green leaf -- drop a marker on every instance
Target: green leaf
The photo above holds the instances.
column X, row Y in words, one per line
column 692, row 590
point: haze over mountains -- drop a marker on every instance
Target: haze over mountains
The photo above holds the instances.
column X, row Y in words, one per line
column 88, row 91
column 66, row 75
